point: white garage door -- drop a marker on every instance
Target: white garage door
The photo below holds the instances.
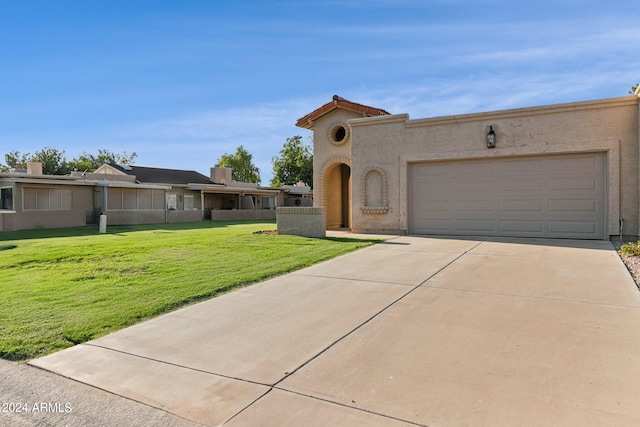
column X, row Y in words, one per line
column 557, row 196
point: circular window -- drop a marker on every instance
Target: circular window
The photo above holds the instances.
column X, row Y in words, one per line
column 338, row 133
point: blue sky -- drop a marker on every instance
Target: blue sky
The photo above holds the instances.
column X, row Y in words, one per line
column 183, row 82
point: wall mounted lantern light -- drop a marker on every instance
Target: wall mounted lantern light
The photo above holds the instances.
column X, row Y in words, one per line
column 491, row 138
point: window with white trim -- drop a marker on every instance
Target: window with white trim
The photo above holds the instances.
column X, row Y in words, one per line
column 172, row 202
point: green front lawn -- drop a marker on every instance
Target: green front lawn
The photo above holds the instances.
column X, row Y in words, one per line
column 63, row 287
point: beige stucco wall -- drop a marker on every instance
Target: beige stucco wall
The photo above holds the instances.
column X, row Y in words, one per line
column 19, row 219
column 390, row 143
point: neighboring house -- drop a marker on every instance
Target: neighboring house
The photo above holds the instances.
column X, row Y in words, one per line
column 32, row 200
column 135, row 195
column 140, row 205
column 565, row 171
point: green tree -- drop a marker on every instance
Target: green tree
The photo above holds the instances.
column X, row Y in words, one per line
column 53, row 161
column 634, row 88
column 16, row 160
column 242, row 164
column 294, row 164
column 89, row 162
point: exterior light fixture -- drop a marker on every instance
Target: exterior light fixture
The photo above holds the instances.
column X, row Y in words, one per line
column 491, row 138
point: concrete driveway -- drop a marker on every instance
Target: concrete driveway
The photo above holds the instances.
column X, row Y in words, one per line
column 414, row 331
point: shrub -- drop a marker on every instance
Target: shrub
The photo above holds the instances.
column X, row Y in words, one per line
column 631, row 249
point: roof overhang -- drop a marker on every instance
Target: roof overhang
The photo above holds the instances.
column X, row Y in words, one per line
column 77, row 181
column 121, row 184
column 42, row 179
column 235, row 190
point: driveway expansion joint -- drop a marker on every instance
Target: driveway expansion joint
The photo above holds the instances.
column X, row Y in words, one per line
column 354, row 279
column 180, row 366
column 112, row 393
column 348, row 406
column 441, row 269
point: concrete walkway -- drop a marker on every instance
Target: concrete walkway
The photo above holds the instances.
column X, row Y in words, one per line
column 414, row 331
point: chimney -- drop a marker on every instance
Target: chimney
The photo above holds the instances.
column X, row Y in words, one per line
column 221, row 175
column 34, row 168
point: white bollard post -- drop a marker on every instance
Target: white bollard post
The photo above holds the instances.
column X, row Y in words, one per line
column 103, row 224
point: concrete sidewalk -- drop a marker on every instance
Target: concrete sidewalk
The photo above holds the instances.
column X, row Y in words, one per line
column 414, row 331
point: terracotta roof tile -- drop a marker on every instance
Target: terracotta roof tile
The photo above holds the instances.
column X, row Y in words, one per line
column 339, row 102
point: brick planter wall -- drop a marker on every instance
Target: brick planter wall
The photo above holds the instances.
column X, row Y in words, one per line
column 301, row 221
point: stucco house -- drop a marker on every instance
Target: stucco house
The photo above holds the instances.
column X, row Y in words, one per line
column 557, row 171
column 129, row 194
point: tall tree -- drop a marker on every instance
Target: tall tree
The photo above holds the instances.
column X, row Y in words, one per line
column 294, row 164
column 242, row 164
column 53, row 161
column 16, row 160
column 89, row 162
column 634, row 88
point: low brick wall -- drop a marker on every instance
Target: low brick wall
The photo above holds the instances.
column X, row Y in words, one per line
column 31, row 220
column 302, row 221
column 135, row 217
column 184, row 216
column 243, row 215
column 231, row 215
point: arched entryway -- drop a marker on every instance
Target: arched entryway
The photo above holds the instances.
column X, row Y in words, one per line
column 336, row 198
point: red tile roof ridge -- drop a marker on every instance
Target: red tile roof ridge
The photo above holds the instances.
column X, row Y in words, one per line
column 339, row 102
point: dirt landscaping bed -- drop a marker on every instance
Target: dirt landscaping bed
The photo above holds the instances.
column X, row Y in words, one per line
column 632, row 263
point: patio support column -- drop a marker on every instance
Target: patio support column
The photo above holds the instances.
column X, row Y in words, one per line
column 202, row 205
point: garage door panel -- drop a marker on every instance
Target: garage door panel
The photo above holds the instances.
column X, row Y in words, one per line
column 432, row 171
column 475, row 225
column 434, row 187
column 481, row 168
column 522, row 167
column 576, row 164
column 573, row 205
column 435, row 224
column 476, row 184
column 520, row 184
column 521, row 226
column 434, row 216
column 474, row 206
column 578, row 183
column 434, row 205
column 521, row 206
column 575, row 227
column 539, row 196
